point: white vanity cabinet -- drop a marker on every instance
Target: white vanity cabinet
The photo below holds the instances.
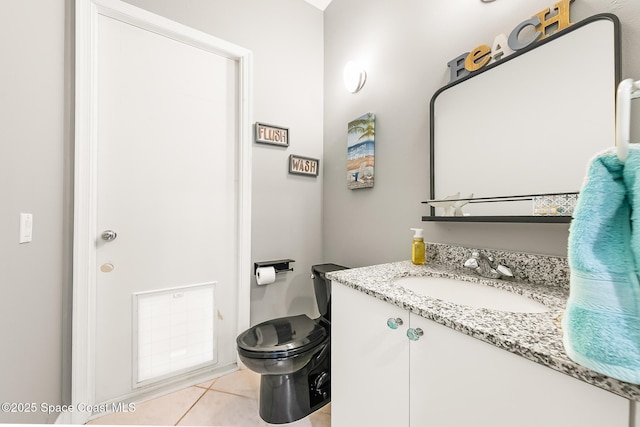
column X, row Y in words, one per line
column 446, row 378
column 369, row 361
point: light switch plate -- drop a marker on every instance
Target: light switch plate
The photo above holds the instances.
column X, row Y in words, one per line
column 26, row 227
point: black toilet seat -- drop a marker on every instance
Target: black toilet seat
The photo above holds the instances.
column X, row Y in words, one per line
column 281, row 338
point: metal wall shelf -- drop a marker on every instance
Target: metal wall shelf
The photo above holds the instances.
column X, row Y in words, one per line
column 520, row 219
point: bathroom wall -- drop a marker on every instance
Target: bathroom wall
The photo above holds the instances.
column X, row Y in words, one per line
column 34, row 155
column 36, row 170
column 405, row 48
column 285, row 37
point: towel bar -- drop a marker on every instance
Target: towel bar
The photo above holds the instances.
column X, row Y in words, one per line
column 627, row 90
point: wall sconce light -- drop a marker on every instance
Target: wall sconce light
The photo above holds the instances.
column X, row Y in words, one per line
column 354, row 76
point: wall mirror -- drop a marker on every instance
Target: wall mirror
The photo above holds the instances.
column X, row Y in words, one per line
column 526, row 126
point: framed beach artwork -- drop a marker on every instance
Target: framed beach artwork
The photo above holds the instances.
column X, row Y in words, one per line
column 360, row 151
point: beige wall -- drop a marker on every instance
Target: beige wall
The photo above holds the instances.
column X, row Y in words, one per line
column 406, row 49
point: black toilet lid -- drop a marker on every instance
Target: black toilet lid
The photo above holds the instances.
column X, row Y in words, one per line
column 281, row 337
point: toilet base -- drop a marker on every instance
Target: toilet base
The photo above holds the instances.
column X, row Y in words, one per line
column 290, row 397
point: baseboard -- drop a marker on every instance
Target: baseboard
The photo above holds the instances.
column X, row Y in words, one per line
column 63, row 418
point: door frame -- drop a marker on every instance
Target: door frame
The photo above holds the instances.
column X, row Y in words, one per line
column 85, row 177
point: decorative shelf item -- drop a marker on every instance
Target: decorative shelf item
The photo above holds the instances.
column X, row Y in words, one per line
column 546, row 207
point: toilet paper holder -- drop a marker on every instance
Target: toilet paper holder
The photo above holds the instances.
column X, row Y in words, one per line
column 280, row 265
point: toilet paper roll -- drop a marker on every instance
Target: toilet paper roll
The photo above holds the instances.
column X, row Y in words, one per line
column 265, row 275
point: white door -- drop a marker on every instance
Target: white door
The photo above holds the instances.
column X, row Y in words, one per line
column 167, row 211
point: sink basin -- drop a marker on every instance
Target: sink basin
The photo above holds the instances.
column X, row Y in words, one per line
column 471, row 294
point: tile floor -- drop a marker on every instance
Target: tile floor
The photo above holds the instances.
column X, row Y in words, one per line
column 230, row 401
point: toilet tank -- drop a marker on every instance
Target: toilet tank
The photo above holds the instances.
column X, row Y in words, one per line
column 322, row 287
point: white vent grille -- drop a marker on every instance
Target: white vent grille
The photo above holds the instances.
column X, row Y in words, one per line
column 174, row 332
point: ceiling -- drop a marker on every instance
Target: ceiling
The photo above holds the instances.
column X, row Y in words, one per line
column 320, row 4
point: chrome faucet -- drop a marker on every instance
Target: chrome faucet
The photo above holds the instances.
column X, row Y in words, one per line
column 486, row 266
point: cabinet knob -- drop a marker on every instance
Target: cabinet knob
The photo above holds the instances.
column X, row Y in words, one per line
column 394, row 323
column 414, row 334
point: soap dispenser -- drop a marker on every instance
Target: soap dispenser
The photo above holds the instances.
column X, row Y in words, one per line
column 417, row 247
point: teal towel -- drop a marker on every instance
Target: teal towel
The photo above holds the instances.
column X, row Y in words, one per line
column 601, row 324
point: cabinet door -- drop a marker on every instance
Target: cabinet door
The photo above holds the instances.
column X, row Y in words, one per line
column 457, row 380
column 369, row 361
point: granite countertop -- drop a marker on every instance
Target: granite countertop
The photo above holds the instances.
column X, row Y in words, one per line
column 535, row 336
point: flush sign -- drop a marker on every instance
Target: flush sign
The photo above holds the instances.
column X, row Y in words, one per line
column 270, row 134
column 538, row 27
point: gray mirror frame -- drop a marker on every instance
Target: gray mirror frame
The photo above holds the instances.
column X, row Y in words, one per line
column 515, row 218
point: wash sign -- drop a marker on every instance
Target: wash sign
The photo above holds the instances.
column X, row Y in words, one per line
column 538, row 27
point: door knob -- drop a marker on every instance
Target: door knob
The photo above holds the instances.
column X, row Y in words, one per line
column 109, row 235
